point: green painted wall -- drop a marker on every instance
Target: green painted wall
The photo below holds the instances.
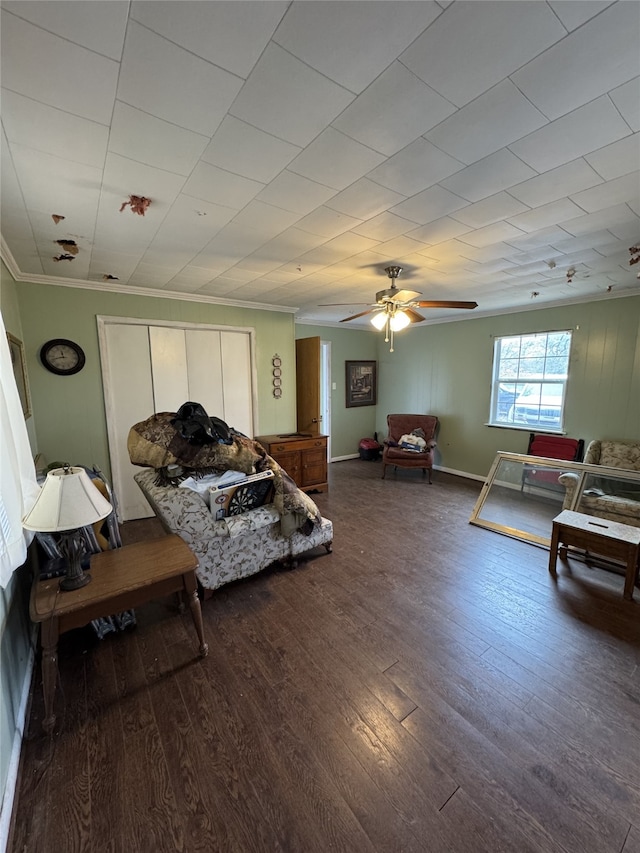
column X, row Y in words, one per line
column 348, row 426
column 445, row 370
column 15, row 628
column 69, row 411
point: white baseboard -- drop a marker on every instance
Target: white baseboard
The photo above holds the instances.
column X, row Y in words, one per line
column 460, row 473
column 14, row 761
column 344, row 458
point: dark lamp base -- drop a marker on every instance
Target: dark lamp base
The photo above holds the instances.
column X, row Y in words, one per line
column 67, row 584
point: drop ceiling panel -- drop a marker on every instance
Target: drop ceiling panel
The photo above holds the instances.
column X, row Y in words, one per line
column 296, row 193
column 228, row 35
column 491, row 234
column 416, row 167
column 439, row 231
column 619, row 158
column 364, row 199
column 606, row 218
column 99, row 26
column 581, row 132
column 620, row 190
column 393, row 111
column 546, row 214
column 216, row 185
column 492, row 121
column 429, row 205
column 234, row 146
column 578, row 69
column 84, row 83
column 472, row 45
column 147, row 139
column 161, row 78
column 277, row 95
column 327, row 223
column 335, row 160
column 574, row 13
column 498, row 171
column 67, row 136
column 384, row 226
column 265, row 218
column 191, row 221
column 489, row 210
column 323, row 35
column 627, row 100
column 558, row 183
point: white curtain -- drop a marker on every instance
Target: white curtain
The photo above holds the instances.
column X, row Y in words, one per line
column 18, row 485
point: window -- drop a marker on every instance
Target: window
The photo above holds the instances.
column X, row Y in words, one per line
column 529, row 381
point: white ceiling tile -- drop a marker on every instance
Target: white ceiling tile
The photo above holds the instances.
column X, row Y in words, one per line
column 582, row 243
column 580, row 132
column 399, row 248
column 161, row 78
column 125, row 177
column 481, row 237
column 489, row 210
column 364, row 199
column 605, row 218
column 496, row 172
column 558, row 183
column 323, row 36
column 619, row 158
column 99, row 25
column 482, row 254
column 295, row 193
column 439, row 231
column 491, row 122
column 618, row 191
column 234, row 146
column 229, row 35
column 341, row 247
column 326, row 222
column 544, row 237
column 193, row 221
column 213, row 184
column 384, row 226
column 67, row 136
column 627, row 100
column 416, row 167
column 147, row 139
column 393, row 111
column 546, row 215
column 579, row 68
column 574, row 13
column 335, row 160
column 474, row 45
column 290, row 244
column 265, row 218
column 84, row 83
column 278, row 93
column 429, row 205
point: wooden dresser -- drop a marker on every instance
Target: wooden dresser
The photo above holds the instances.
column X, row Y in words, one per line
column 303, row 457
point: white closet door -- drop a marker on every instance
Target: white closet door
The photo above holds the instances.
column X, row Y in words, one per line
column 128, row 399
column 204, row 368
column 169, row 368
column 236, row 381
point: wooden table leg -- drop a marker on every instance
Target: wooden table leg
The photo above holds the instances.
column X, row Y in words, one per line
column 191, row 589
column 49, row 644
column 553, row 552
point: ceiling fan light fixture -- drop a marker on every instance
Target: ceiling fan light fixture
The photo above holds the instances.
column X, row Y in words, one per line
column 399, row 321
column 379, row 320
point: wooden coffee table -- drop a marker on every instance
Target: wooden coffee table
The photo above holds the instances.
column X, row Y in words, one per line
column 607, row 538
column 121, row 579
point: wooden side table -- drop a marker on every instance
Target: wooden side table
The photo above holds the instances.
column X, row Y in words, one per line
column 607, row 538
column 121, row 579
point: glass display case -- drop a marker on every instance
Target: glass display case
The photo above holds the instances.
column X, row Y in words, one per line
column 523, row 494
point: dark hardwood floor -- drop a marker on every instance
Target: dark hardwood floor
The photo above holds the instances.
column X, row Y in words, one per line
column 427, row 687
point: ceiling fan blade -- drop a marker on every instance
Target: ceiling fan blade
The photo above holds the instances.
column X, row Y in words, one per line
column 444, row 303
column 413, row 315
column 405, row 295
column 355, row 316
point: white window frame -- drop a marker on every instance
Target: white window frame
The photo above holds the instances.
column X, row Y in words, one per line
column 526, row 366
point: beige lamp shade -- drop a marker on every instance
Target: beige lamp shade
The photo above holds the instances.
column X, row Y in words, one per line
column 67, row 500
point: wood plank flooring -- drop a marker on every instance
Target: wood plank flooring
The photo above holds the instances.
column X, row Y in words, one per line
column 426, row 688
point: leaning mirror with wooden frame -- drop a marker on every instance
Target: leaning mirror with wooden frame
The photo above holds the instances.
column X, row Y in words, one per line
column 18, row 362
column 523, row 494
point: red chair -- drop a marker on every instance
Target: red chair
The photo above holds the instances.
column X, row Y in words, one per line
column 399, row 425
column 550, row 447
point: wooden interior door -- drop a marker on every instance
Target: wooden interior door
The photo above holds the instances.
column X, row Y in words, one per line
column 308, row 385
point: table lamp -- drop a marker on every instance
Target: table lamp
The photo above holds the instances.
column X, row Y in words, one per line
column 68, row 501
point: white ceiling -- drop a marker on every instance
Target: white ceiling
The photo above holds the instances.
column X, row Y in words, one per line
column 293, row 150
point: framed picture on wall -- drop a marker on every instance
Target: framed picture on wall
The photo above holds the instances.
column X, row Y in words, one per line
column 361, row 383
column 16, row 348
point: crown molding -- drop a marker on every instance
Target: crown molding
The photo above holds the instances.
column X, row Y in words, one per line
column 126, row 290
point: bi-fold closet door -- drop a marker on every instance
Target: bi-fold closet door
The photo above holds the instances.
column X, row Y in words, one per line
column 151, row 368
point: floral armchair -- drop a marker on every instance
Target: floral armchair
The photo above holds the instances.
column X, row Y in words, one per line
column 399, row 457
column 608, row 497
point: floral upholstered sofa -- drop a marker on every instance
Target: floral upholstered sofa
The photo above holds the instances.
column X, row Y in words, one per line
column 608, row 497
column 229, row 548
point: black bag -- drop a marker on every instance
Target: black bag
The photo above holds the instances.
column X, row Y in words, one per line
column 195, row 425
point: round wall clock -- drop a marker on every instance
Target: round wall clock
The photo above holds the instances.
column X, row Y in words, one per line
column 62, row 357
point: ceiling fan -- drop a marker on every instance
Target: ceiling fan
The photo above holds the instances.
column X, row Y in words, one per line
column 394, row 309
